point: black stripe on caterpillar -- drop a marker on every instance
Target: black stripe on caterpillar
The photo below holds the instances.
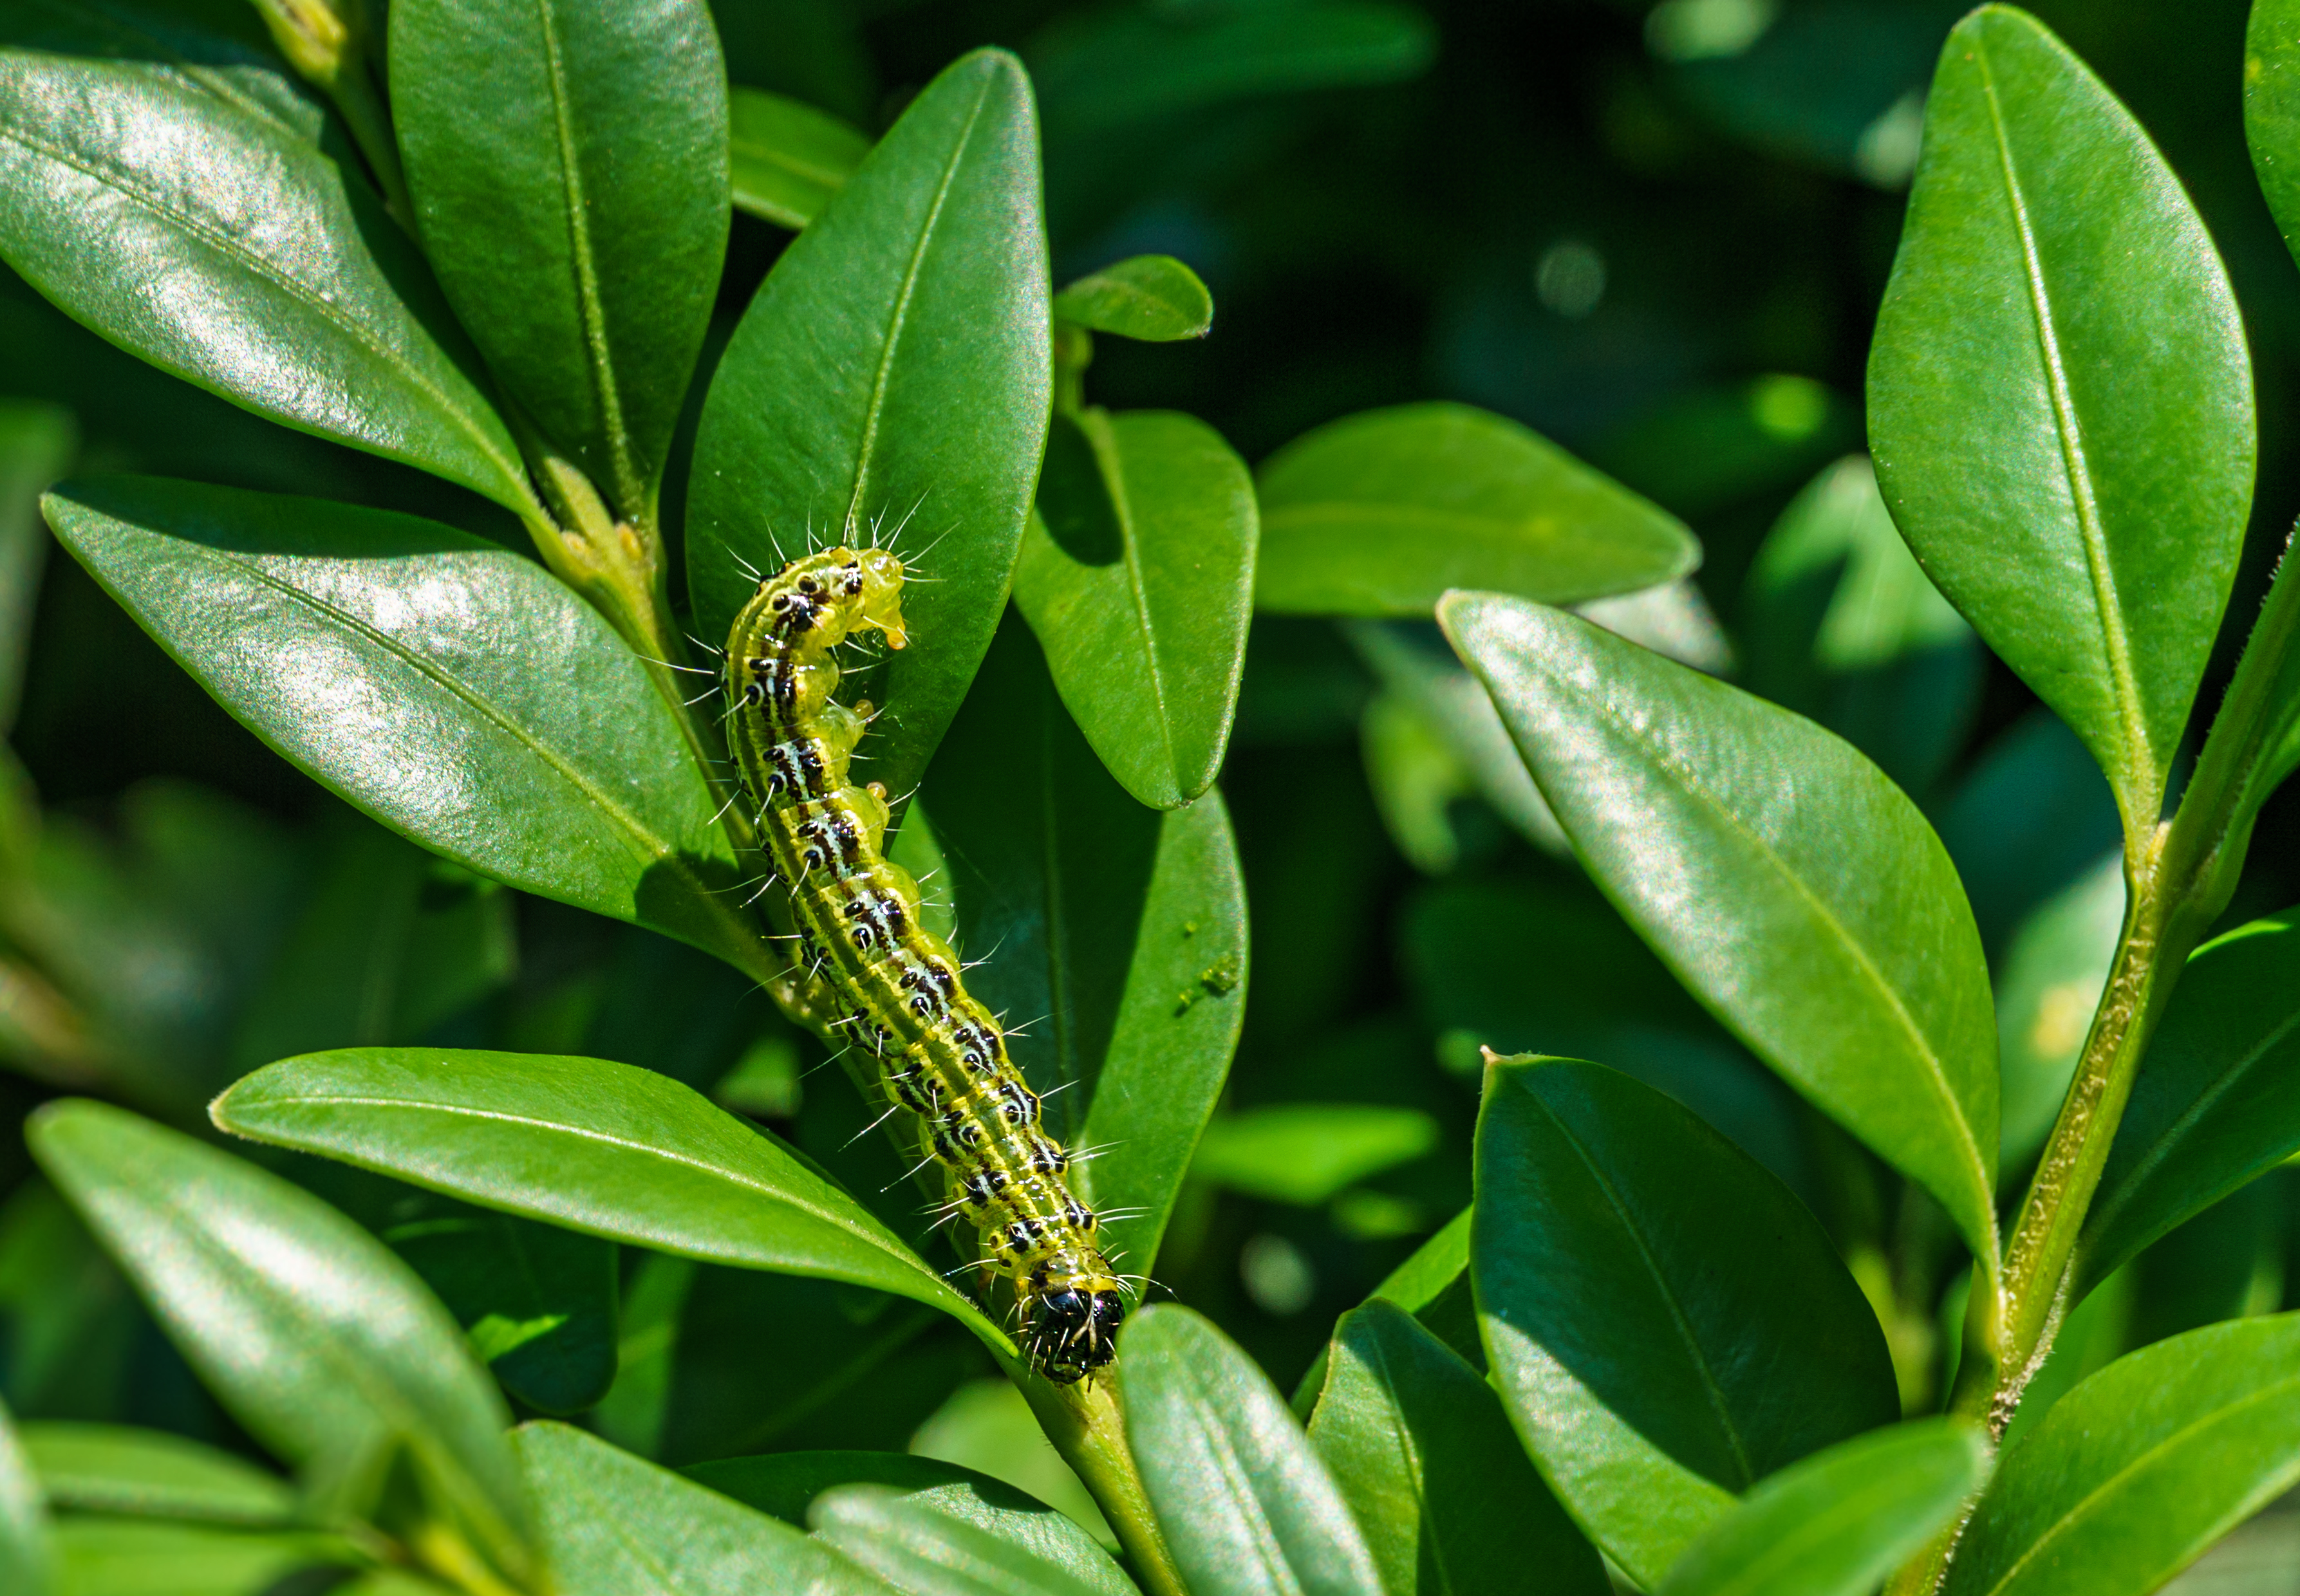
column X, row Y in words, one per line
column 866, row 958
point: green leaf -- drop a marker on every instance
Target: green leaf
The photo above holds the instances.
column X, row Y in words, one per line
column 1242, row 1499
column 909, row 1539
column 320, row 1342
column 891, row 383
column 786, row 1483
column 2033, row 815
column 617, row 1525
column 26, row 1558
column 1380, row 513
column 151, row 1474
column 36, row 444
column 219, row 49
column 2137, row 1471
column 128, row 1556
column 446, row 687
column 2054, row 284
column 2052, row 979
column 1838, row 1523
column 2215, row 1108
column 1416, row 777
column 1421, row 1451
column 787, row 158
column 1126, row 928
column 567, row 161
column 1307, row 1152
column 605, row 1149
column 290, row 292
column 1791, row 887
column 2272, row 110
column 1666, row 1323
column 987, row 1428
column 1152, row 297
column 1136, row 574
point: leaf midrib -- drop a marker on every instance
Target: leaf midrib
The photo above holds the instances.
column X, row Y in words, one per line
column 1103, row 437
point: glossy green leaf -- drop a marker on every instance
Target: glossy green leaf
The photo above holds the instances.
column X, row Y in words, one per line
column 1380, row 513
column 784, row 1485
column 1136, row 574
column 320, row 1342
column 1838, row 1523
column 1125, row 927
column 128, row 1556
column 567, row 160
column 222, row 50
column 786, row 157
column 26, row 1557
column 2054, row 284
column 2051, row 982
column 2271, row 109
column 891, row 383
column 908, row 1540
column 1666, row 1323
column 1421, row 1451
column 151, row 1474
column 448, row 687
column 618, row 1526
column 607, row 1149
column 2216, row 1106
column 290, row 292
column 2137, row 1471
column 1791, row 887
column 1243, row 1501
column 1153, row 297
column 1305, row 1153
column 987, row 1428
column 36, row 445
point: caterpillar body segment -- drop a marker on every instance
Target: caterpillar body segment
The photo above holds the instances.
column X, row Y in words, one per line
column 895, row 987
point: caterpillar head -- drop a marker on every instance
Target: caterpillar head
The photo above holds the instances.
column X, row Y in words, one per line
column 1074, row 1329
column 882, row 594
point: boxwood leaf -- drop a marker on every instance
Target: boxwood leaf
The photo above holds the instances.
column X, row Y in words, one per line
column 1241, row 1496
column 1795, row 890
column 1421, row 1451
column 2137, row 1471
column 1380, row 513
column 130, row 1556
column 450, row 688
column 891, row 383
column 786, row 158
column 1152, row 297
column 607, row 1149
column 26, row 1559
column 1307, row 1152
column 152, row 1474
column 223, row 51
column 567, row 160
column 320, row 1342
column 36, row 445
column 1667, row 1324
column 2053, row 283
column 910, row 1541
column 1136, row 573
column 290, row 292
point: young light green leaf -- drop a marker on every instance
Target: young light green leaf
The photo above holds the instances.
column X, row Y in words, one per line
column 320, row 1342
column 891, row 383
column 128, row 1556
column 607, row 1149
column 2053, row 283
column 1244, row 1503
column 2137, row 1471
column 1667, row 1324
column 1421, row 1451
column 567, row 160
column 1842, row 1520
column 787, row 158
column 1136, row 573
column 1152, row 297
column 1307, row 1152
column 25, row 1558
column 1795, row 890
column 36, row 444
column 151, row 1474
column 1380, row 513
column 910, row 1541
column 290, row 292
column 448, row 687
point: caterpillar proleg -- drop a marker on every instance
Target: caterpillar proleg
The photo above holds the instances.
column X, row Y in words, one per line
column 865, row 957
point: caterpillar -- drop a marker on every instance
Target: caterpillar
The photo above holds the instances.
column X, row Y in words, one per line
column 869, row 961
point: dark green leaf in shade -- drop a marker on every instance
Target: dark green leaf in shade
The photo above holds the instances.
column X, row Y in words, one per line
column 2030, row 818
column 446, row 687
column 618, row 1526
column 1136, row 574
column 1421, row 1451
column 2053, row 283
column 36, row 445
column 1152, row 297
column 1380, row 513
column 290, row 292
column 151, row 1474
column 2227, row 1263
column 1126, row 928
column 222, row 50
column 1666, row 1323
column 2047, row 985
column 1242, row 1499
column 1433, row 1285
column 607, row 1149
column 567, row 160
column 2217, row 1105
column 1842, row 1520
column 320, row 1342
column 1307, row 1152
column 2272, row 110
column 1792, row 888
column 132, row 1556
column 891, row 383
column 910, row 1541
column 786, row 1483
column 2137, row 1471
column 26, row 1557
column 788, row 158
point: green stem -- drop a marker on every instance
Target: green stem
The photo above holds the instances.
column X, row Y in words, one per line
column 1087, row 1423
